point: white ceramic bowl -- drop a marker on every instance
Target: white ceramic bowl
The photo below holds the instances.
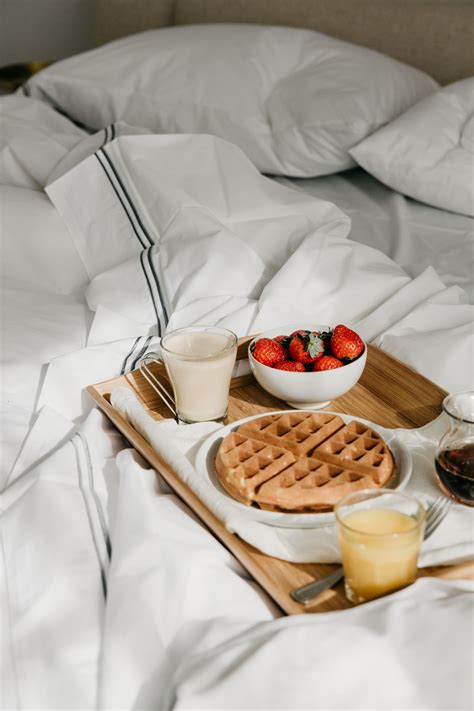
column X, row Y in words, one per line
column 310, row 390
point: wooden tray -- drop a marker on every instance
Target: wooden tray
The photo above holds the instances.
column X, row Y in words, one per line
column 389, row 393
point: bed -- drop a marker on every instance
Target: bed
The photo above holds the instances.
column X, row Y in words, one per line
column 115, row 229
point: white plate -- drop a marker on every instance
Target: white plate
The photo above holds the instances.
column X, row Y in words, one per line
column 205, row 468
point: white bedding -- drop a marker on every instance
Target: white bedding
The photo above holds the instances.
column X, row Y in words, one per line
column 183, row 627
column 33, row 138
column 43, row 312
column 414, row 235
column 213, row 241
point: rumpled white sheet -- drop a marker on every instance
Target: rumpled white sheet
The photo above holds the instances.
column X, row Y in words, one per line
column 414, row 235
column 183, row 627
column 377, row 657
column 211, row 240
column 210, row 644
column 43, row 313
column 183, row 624
column 33, row 139
column 54, row 563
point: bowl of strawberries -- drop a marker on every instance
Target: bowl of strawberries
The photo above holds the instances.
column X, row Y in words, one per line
column 308, row 366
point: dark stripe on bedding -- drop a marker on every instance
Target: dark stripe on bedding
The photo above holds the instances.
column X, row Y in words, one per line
column 104, row 168
column 157, row 296
column 106, row 136
column 157, row 282
column 129, row 354
column 109, row 134
column 100, row 512
column 130, row 202
column 151, row 275
column 89, row 517
column 142, row 352
column 142, row 262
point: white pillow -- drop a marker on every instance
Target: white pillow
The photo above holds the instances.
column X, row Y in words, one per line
column 428, row 152
column 294, row 101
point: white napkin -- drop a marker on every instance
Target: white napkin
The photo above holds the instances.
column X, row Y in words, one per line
column 452, row 542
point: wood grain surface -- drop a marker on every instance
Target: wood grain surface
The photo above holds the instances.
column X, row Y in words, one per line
column 389, row 393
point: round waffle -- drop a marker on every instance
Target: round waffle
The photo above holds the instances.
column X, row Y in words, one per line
column 301, row 461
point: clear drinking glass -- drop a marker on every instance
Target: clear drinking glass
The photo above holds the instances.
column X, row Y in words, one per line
column 380, row 533
column 454, row 458
column 199, row 361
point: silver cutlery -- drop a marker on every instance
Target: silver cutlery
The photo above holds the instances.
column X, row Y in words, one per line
column 305, row 594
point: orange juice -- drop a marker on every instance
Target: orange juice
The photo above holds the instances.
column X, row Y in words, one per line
column 379, row 550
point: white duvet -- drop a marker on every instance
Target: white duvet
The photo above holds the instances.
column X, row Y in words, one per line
column 175, row 230
column 33, row 139
column 154, row 232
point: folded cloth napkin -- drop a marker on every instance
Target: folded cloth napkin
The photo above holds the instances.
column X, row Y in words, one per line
column 452, row 542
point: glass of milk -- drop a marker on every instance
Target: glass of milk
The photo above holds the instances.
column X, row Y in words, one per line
column 199, row 361
column 380, row 533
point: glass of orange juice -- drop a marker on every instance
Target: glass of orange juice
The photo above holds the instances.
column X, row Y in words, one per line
column 380, row 533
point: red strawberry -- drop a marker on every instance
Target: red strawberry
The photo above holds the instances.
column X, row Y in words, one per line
column 327, row 362
column 292, row 365
column 268, row 351
column 302, row 331
column 346, row 344
column 306, row 348
column 284, row 341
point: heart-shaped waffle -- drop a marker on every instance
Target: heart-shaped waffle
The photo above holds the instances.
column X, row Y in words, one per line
column 301, row 461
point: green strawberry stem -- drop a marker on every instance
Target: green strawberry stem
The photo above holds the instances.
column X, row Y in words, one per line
column 314, row 345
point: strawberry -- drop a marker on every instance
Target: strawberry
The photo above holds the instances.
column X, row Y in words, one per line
column 327, row 362
column 306, row 348
column 284, row 341
column 346, row 344
column 302, row 331
column 268, row 351
column 291, row 365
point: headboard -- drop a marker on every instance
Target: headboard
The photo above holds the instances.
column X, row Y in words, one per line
column 434, row 35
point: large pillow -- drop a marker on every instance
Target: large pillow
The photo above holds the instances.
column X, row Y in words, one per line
column 428, row 152
column 295, row 101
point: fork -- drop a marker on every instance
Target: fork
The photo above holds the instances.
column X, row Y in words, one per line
column 305, row 594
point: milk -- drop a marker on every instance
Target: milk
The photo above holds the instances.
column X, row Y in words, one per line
column 379, row 550
column 199, row 363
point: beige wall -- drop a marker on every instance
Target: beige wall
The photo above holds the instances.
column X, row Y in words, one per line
column 434, row 35
column 44, row 29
